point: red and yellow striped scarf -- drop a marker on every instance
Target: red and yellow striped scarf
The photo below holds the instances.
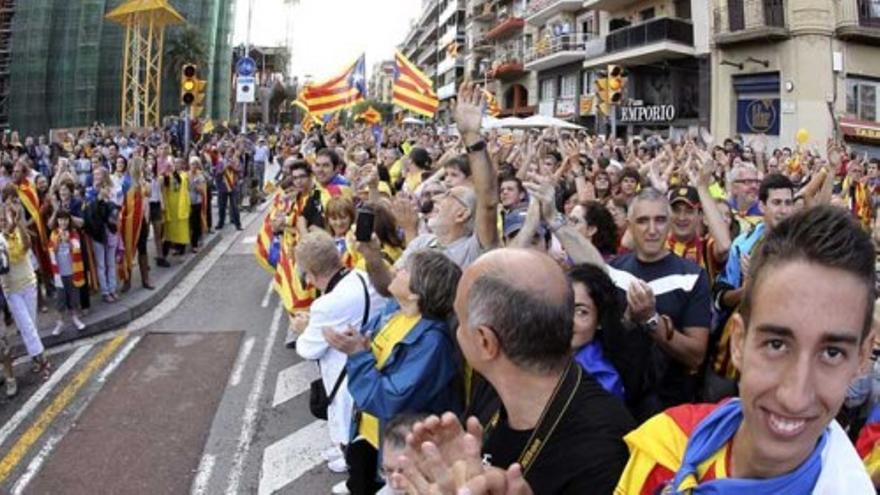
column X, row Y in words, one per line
column 79, row 276
column 230, row 177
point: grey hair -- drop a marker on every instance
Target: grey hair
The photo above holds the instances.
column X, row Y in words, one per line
column 534, row 331
column 316, row 253
column 469, row 197
column 737, row 171
column 433, row 278
column 647, row 194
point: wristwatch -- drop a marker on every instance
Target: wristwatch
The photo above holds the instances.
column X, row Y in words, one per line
column 653, row 323
column 478, row 146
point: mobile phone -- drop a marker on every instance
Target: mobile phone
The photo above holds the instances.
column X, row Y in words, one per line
column 363, row 230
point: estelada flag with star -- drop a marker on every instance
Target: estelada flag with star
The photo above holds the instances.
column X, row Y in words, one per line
column 412, row 89
column 338, row 92
column 370, row 116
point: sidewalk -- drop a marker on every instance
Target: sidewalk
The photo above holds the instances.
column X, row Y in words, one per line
column 104, row 316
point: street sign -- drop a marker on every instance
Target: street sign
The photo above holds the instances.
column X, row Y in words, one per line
column 245, row 89
column 246, row 67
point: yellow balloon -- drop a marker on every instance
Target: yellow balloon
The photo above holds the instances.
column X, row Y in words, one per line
column 802, row 136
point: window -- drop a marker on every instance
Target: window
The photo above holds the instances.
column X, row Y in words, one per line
column 587, row 79
column 861, row 98
column 568, row 87
column 647, row 14
column 548, row 89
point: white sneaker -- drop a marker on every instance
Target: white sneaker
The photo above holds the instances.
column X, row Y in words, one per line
column 59, row 326
column 338, row 465
column 79, row 324
column 11, row 388
column 331, row 453
column 339, row 489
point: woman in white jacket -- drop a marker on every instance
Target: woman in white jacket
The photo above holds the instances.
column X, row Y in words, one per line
column 342, row 305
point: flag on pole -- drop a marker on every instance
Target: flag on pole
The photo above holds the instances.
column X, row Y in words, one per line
column 370, row 116
column 412, row 89
column 331, row 122
column 341, row 91
column 491, row 103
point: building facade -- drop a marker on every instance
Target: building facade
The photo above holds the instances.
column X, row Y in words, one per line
column 785, row 65
column 381, row 79
column 65, row 62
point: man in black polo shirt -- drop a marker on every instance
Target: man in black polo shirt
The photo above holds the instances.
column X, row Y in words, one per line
column 552, row 418
column 668, row 298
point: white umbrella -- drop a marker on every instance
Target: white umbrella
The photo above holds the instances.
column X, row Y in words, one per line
column 490, row 122
column 414, row 121
column 511, row 122
column 545, row 121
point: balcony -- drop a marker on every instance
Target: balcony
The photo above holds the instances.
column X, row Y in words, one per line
column 450, row 10
column 452, row 34
column 521, row 111
column 856, row 21
column 506, row 27
column 649, row 42
column 560, row 50
column 608, row 5
column 482, row 44
column 750, row 20
column 448, row 64
column 446, row 91
column 540, row 11
column 482, row 12
column 509, row 69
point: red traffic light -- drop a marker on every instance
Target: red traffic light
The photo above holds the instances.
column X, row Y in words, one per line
column 189, row 70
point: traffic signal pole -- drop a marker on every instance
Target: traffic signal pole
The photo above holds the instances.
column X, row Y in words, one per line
column 186, row 132
column 247, row 53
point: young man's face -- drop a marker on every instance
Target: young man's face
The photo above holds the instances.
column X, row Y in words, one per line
column 802, row 348
column 778, row 206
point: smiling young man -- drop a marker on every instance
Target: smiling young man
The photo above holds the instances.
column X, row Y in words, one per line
column 801, row 336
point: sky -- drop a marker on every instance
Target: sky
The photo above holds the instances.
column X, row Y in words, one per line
column 327, row 35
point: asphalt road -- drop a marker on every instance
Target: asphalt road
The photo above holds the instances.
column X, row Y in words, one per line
column 243, row 428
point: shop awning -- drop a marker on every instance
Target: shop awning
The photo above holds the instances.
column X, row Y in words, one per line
column 860, row 129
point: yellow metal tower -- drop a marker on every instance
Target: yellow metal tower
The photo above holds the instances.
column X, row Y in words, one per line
column 144, row 22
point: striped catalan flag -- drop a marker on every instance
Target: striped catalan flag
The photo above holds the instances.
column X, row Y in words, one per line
column 412, row 89
column 370, row 116
column 341, row 91
column 331, row 122
column 492, row 107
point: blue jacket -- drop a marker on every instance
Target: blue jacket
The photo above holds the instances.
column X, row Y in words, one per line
column 418, row 377
column 744, row 244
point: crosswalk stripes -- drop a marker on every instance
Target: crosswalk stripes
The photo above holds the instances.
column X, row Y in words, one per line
column 285, row 460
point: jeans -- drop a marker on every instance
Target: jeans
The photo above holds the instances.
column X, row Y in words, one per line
column 259, row 170
column 23, row 305
column 105, row 258
column 232, row 199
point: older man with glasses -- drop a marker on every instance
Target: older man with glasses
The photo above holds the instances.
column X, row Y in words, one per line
column 743, row 202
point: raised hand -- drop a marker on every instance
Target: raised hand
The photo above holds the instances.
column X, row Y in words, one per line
column 468, row 110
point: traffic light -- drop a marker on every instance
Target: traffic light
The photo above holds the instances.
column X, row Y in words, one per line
column 198, row 105
column 609, row 87
column 616, row 83
column 188, row 84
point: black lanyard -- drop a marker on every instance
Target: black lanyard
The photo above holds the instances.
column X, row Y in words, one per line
column 556, row 407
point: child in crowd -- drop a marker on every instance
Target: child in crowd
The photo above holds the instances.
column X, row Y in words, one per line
column 65, row 251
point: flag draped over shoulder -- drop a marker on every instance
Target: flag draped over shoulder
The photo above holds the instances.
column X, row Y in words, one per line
column 265, row 235
column 868, row 442
column 131, row 219
column 30, row 200
column 412, row 89
column 341, row 91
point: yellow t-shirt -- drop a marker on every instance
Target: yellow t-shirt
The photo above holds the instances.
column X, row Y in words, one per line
column 397, row 328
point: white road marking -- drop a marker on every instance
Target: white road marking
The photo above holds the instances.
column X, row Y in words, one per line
column 41, row 393
column 293, row 381
column 268, row 296
column 120, row 357
column 251, row 239
column 294, row 455
column 35, row 465
column 242, row 361
column 206, row 467
column 252, row 407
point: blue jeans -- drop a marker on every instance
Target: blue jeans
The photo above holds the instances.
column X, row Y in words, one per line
column 105, row 259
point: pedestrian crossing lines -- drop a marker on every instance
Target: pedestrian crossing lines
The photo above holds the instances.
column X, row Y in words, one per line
column 287, row 459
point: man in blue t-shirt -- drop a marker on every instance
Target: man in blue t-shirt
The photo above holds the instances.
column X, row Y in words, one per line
column 668, row 298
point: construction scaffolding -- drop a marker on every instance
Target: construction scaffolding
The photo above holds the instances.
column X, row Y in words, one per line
column 144, row 22
column 7, row 11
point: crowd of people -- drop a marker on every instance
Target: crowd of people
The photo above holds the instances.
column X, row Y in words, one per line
column 551, row 311
column 77, row 215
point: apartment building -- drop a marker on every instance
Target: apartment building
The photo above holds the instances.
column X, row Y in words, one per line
column 381, row 78
column 783, row 65
column 495, row 43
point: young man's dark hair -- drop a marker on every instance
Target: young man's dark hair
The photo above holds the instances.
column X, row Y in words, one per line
column 332, row 155
column 773, row 181
column 420, row 158
column 461, row 163
column 301, row 165
column 824, row 235
column 631, row 173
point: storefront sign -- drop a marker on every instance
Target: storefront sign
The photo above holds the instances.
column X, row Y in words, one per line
column 860, row 129
column 647, row 114
column 758, row 116
column 565, row 107
column 585, row 106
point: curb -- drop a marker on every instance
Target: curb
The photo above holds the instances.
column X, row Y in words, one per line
column 126, row 311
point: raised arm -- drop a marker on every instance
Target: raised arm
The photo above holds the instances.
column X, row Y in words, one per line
column 468, row 115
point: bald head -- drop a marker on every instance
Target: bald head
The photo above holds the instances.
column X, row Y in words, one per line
column 525, row 299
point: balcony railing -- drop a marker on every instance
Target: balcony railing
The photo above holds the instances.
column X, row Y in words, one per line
column 559, row 50
column 539, row 11
column 750, row 20
column 482, row 12
column 508, row 64
column 506, row 26
column 858, row 20
column 653, row 31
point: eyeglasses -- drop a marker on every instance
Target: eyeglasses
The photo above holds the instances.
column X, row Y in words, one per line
column 448, row 194
column 747, row 181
